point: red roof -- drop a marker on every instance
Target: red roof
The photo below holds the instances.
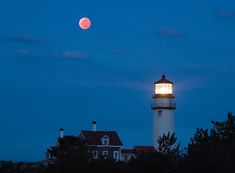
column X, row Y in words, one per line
column 95, row 137
column 128, row 151
column 144, row 149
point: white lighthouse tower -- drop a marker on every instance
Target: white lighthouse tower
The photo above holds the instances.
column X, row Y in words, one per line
column 163, row 109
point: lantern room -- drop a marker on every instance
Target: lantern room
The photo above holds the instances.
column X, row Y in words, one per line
column 163, row 86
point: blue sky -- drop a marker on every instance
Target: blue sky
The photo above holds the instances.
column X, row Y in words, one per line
column 53, row 74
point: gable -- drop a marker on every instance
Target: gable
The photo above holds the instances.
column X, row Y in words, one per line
column 105, row 137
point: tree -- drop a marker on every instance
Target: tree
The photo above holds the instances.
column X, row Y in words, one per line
column 170, row 152
column 167, row 144
column 164, row 160
column 213, row 150
column 6, row 166
column 71, row 155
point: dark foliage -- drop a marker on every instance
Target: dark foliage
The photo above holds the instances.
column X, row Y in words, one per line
column 213, row 150
column 210, row 150
column 165, row 160
column 5, row 165
column 71, row 155
column 167, row 145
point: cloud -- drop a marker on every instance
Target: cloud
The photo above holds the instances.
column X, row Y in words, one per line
column 208, row 67
column 136, row 85
column 169, row 32
column 122, row 83
column 26, row 39
column 226, row 13
column 23, row 52
column 122, row 52
column 73, row 54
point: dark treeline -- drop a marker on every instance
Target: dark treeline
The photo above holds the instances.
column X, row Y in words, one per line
column 209, row 151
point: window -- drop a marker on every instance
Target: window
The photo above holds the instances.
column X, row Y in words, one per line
column 105, row 154
column 116, row 155
column 163, row 88
column 95, row 154
column 105, row 140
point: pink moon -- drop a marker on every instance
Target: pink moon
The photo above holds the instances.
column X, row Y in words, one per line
column 84, row 23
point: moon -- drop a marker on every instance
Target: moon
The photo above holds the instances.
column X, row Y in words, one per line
column 84, row 23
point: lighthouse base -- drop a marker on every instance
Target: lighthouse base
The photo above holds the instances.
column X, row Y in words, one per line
column 163, row 123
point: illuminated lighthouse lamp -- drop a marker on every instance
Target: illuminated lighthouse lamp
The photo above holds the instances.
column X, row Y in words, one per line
column 163, row 86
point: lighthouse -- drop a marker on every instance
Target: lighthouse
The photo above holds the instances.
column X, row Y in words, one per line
column 163, row 107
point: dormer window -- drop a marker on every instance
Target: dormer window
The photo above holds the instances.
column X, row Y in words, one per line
column 105, row 140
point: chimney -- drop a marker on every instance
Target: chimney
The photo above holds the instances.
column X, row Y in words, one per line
column 94, row 126
column 61, row 133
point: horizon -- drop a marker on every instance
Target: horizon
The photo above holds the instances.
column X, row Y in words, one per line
column 55, row 74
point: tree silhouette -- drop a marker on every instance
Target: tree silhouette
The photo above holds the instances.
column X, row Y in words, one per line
column 71, row 155
column 5, row 166
column 167, row 144
column 209, row 151
column 213, row 150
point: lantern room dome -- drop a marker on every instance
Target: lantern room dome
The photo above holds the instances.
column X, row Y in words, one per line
column 163, row 86
column 163, row 80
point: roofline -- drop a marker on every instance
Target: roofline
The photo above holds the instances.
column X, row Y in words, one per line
column 102, row 137
column 146, row 146
column 163, row 80
column 106, row 136
column 82, row 135
column 128, row 154
column 167, row 82
column 106, row 145
column 98, row 131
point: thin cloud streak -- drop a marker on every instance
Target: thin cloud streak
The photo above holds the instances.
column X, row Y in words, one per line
column 131, row 84
column 226, row 13
column 73, row 54
column 26, row 39
column 169, row 32
column 23, row 52
column 122, row 52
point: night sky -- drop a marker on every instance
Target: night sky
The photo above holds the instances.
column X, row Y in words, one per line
column 54, row 74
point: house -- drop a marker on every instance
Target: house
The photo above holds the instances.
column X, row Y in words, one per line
column 128, row 154
column 105, row 144
column 143, row 149
column 102, row 144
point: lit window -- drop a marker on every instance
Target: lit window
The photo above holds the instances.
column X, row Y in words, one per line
column 163, row 88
